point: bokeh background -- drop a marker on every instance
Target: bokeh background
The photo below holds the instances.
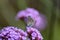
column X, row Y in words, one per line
column 50, row 8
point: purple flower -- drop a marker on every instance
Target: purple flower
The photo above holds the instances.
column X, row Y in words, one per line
column 33, row 34
column 12, row 33
column 32, row 18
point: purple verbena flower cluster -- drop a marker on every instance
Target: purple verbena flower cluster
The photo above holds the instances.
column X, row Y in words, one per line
column 34, row 34
column 33, row 18
column 12, row 33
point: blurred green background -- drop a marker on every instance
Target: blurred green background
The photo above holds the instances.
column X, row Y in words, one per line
column 50, row 8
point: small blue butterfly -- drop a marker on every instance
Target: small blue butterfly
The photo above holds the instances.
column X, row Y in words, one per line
column 29, row 21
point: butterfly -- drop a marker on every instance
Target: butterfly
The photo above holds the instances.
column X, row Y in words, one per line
column 29, row 21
